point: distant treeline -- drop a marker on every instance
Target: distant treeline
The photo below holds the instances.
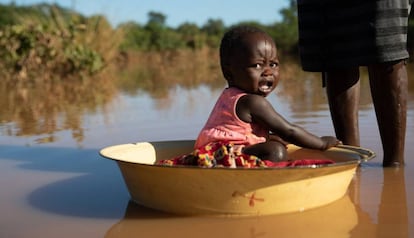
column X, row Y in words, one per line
column 50, row 39
column 157, row 35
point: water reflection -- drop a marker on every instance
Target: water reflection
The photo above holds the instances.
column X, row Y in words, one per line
column 38, row 107
column 390, row 217
column 149, row 223
column 44, row 108
column 349, row 216
column 158, row 73
column 392, row 214
column 77, row 183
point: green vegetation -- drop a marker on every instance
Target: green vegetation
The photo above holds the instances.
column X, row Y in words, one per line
column 50, row 41
column 155, row 35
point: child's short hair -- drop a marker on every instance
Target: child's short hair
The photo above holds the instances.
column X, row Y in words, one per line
column 231, row 40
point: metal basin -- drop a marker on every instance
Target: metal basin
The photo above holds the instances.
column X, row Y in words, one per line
column 233, row 191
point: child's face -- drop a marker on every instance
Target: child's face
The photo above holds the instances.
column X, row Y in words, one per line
column 254, row 66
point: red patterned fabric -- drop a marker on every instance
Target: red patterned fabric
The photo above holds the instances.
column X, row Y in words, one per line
column 222, row 154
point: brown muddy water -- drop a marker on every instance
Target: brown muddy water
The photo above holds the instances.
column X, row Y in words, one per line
column 53, row 183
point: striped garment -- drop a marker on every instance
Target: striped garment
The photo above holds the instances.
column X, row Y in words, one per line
column 342, row 34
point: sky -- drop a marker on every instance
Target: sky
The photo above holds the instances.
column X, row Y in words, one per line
column 176, row 11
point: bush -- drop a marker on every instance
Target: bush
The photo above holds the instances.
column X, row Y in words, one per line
column 64, row 45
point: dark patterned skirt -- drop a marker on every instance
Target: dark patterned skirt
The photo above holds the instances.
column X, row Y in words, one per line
column 337, row 34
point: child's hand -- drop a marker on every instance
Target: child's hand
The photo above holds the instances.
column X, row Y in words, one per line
column 330, row 141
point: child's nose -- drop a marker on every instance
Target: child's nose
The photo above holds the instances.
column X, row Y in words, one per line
column 267, row 70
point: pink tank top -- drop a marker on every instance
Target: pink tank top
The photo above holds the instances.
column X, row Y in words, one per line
column 224, row 124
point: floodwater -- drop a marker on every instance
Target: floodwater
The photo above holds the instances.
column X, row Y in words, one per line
column 53, row 183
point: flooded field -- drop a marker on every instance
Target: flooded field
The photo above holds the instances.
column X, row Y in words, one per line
column 54, row 183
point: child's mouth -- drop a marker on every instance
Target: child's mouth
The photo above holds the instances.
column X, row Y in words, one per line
column 265, row 86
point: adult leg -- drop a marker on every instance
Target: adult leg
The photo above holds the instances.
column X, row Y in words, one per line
column 343, row 91
column 389, row 89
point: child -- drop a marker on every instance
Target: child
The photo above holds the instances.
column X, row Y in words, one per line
column 242, row 117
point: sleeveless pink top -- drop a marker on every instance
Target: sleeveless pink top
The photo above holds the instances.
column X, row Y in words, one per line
column 224, row 124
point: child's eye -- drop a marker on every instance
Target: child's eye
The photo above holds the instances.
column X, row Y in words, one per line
column 258, row 66
column 273, row 65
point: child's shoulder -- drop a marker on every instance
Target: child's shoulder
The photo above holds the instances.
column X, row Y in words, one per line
column 253, row 100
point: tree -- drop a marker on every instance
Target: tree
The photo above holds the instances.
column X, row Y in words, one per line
column 285, row 33
column 161, row 37
column 156, row 18
column 191, row 35
column 214, row 29
column 136, row 37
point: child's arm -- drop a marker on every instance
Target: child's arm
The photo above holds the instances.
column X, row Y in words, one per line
column 255, row 108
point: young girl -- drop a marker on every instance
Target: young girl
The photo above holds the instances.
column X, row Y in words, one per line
column 242, row 117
